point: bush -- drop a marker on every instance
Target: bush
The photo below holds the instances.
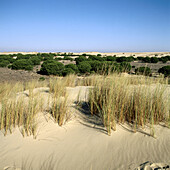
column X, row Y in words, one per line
column 6, row 58
column 163, row 59
column 52, row 67
column 146, row 60
column 125, row 67
column 154, row 59
column 80, row 59
column 22, row 64
column 73, row 67
column 124, row 59
column 36, row 60
column 4, row 63
column 95, row 65
column 165, row 70
column 111, row 58
column 67, row 58
column 68, row 71
column 84, row 67
column 140, row 58
column 143, row 70
column 93, row 57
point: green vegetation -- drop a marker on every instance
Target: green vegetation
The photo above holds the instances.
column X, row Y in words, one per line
column 84, row 67
column 165, row 70
column 4, row 63
column 85, row 63
column 22, row 64
column 143, row 71
column 52, row 67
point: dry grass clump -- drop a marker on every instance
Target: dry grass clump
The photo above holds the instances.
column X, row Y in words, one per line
column 90, row 80
column 59, row 100
column 116, row 100
column 16, row 111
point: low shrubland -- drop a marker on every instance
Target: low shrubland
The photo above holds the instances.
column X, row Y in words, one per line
column 85, row 63
column 165, row 70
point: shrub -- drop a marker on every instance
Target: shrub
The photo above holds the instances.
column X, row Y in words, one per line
column 154, row 59
column 6, row 58
column 68, row 71
column 73, row 67
column 143, row 70
column 111, row 58
column 125, row 67
column 165, row 70
column 84, row 67
column 67, row 58
column 95, row 65
column 124, row 59
column 36, row 60
column 4, row 63
column 146, row 60
column 52, row 67
column 140, row 58
column 80, row 59
column 93, row 57
column 163, row 59
column 22, row 64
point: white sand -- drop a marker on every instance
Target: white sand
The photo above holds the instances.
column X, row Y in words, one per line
column 82, row 143
column 118, row 54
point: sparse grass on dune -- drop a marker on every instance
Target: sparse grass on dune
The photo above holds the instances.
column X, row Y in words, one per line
column 137, row 100
column 59, row 99
column 15, row 111
column 117, row 100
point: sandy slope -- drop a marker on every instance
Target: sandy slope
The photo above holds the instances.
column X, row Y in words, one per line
column 82, row 143
column 118, row 54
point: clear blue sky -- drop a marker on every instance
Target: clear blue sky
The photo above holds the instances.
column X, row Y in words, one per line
column 85, row 25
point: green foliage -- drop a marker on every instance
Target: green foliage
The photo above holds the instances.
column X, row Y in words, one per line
column 80, row 59
column 4, row 63
column 6, row 58
column 111, row 58
column 84, row 67
column 124, row 59
column 52, row 67
column 36, row 60
column 143, row 71
column 94, row 57
column 165, row 70
column 41, row 78
column 163, row 59
column 73, row 67
column 125, row 67
column 146, row 60
column 154, row 59
column 68, row 71
column 67, row 58
column 22, row 64
column 96, row 65
column 140, row 58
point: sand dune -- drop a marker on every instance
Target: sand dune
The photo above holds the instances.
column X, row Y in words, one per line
column 83, row 143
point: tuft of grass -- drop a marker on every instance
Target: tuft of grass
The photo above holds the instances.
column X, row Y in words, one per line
column 117, row 100
column 16, row 111
column 59, row 100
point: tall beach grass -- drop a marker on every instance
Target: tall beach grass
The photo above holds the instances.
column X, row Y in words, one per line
column 140, row 101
